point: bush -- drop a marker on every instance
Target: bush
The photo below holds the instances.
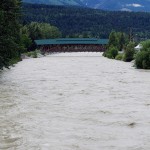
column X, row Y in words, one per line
column 145, row 45
column 32, row 54
column 129, row 52
column 119, row 57
column 14, row 61
column 142, row 60
column 111, row 53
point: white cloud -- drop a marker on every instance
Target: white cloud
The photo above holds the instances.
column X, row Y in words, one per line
column 134, row 5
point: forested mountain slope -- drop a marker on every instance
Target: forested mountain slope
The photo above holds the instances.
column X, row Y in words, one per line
column 97, row 23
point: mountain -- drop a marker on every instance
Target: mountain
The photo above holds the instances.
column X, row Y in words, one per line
column 75, row 21
column 117, row 5
column 123, row 5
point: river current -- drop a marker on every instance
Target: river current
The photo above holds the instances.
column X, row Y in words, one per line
column 74, row 101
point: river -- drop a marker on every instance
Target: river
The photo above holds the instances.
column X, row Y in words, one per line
column 74, row 101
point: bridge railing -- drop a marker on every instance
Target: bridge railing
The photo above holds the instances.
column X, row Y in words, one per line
column 74, row 48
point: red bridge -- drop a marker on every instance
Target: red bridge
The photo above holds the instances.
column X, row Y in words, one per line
column 72, row 45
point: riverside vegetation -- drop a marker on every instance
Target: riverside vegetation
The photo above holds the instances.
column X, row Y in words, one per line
column 142, row 59
column 16, row 38
column 9, row 32
column 17, row 35
column 121, row 47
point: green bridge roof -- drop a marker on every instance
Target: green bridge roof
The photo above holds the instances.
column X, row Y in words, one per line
column 62, row 41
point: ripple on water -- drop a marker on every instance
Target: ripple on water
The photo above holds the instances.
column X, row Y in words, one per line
column 74, row 102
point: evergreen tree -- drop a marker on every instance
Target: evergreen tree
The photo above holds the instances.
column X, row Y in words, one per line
column 129, row 52
column 121, row 41
column 9, row 31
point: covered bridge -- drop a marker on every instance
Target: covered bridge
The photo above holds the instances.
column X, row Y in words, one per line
column 72, row 45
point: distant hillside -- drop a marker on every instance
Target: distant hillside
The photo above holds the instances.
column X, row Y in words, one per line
column 95, row 23
column 122, row 5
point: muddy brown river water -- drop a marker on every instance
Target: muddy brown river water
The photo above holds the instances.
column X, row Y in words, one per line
column 76, row 101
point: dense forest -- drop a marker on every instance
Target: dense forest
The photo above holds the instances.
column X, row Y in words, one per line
column 76, row 21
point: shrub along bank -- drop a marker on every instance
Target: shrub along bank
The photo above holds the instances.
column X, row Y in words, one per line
column 142, row 58
column 120, row 42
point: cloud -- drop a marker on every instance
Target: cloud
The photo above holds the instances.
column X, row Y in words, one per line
column 134, row 5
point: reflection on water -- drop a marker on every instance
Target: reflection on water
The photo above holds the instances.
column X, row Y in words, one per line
column 76, row 101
